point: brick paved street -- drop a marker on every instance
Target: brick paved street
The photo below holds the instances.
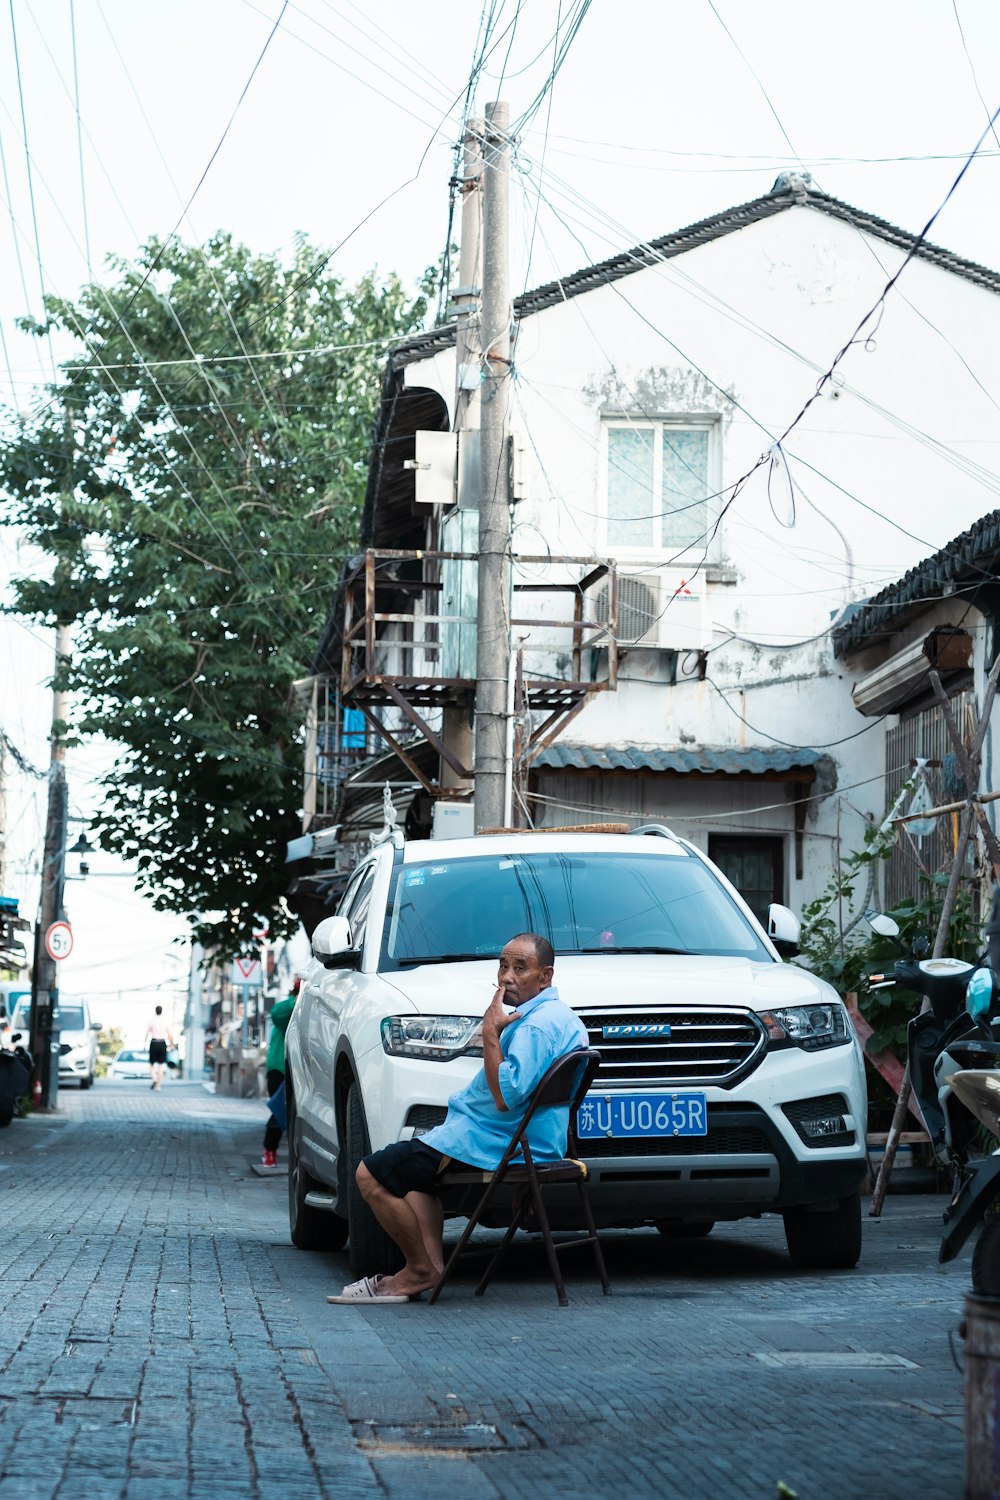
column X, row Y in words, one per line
column 161, row 1338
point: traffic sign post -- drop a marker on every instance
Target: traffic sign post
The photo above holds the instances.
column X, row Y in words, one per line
column 59, row 941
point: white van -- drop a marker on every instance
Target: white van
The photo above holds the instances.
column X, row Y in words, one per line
column 77, row 1038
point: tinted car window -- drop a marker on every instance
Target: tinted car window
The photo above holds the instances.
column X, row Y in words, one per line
column 589, row 903
column 357, row 910
column 71, row 1018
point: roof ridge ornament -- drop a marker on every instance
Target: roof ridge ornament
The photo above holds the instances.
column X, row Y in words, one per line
column 389, row 832
column 800, row 184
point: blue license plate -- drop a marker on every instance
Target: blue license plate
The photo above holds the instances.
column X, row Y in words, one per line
column 624, row 1115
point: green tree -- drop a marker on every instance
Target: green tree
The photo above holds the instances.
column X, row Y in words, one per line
column 195, row 480
column 110, row 1042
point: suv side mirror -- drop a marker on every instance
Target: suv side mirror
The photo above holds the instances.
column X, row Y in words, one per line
column 784, row 929
column 331, row 944
column 95, row 1025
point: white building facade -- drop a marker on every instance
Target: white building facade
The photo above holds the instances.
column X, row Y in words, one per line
column 669, row 414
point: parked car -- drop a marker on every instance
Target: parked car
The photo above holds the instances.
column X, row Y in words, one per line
column 731, row 1083
column 129, row 1063
column 77, row 1039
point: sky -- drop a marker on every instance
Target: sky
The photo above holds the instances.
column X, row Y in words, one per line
column 122, row 119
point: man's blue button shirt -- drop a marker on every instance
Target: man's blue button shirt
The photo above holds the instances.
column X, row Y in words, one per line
column 475, row 1131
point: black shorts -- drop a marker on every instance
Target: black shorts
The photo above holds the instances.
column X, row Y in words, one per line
column 157, row 1051
column 410, row 1167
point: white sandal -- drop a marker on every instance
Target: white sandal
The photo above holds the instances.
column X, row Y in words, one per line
column 367, row 1290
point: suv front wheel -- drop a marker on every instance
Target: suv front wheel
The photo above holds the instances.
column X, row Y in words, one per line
column 309, row 1228
column 825, row 1240
column 370, row 1249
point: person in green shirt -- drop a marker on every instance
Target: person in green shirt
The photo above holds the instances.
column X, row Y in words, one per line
column 280, row 1013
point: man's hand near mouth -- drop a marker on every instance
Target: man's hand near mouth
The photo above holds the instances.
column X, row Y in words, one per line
column 494, row 1021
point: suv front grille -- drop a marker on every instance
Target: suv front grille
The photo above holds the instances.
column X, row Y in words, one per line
column 710, row 1047
column 727, row 1141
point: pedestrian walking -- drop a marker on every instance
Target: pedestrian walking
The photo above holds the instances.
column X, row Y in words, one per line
column 280, row 1015
column 159, row 1038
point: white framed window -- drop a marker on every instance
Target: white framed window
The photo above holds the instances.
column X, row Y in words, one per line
column 660, row 483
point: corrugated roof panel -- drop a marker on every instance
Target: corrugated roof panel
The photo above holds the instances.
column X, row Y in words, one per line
column 742, row 760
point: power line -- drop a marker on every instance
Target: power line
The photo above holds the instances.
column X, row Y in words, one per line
column 30, row 176
column 756, row 77
column 79, row 139
column 668, row 267
column 208, row 166
column 824, row 378
column 827, row 745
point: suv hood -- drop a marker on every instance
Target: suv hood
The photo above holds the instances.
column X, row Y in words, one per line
column 619, row 981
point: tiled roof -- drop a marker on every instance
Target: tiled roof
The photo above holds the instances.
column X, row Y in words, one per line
column 969, row 564
column 435, row 340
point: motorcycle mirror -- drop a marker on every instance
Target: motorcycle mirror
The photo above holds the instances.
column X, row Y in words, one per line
column 885, row 926
column 980, row 993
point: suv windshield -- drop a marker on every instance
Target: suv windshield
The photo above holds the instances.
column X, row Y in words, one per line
column 71, row 1018
column 443, row 910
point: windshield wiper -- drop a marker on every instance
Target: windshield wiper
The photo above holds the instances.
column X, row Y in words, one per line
column 449, row 958
column 637, row 948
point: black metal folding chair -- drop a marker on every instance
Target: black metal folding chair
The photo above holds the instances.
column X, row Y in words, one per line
column 566, row 1082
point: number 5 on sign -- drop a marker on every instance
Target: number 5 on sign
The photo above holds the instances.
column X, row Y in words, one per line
column 59, row 941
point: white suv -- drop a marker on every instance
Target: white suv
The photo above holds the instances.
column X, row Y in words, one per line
column 731, row 1083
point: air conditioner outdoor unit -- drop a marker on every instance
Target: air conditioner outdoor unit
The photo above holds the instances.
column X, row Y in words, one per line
column 664, row 611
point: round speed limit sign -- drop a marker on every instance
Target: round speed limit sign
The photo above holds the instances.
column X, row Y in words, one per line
column 59, row 940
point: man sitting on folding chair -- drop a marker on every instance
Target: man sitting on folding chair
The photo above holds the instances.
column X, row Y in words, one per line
column 399, row 1182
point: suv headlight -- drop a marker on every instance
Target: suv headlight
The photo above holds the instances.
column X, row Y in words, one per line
column 438, row 1038
column 810, row 1027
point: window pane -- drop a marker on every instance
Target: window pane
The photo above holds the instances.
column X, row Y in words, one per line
column 630, row 486
column 685, row 485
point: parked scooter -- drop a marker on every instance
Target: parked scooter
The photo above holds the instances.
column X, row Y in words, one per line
column 15, row 1077
column 975, row 1082
column 939, row 1040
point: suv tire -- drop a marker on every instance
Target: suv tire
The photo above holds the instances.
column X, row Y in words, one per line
column 86, row 1082
column 369, row 1247
column 681, row 1229
column 309, row 1228
column 825, row 1241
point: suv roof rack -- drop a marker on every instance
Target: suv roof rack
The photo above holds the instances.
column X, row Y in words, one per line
column 659, row 829
column 569, row 828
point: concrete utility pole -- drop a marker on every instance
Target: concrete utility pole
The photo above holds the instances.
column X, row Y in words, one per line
column 456, row 729
column 468, row 345
column 44, row 988
column 44, row 983
column 493, row 641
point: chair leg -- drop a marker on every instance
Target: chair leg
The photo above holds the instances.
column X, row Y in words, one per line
column 550, row 1248
column 456, row 1254
column 501, row 1249
column 588, row 1214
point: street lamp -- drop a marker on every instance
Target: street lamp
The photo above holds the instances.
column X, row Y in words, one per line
column 82, row 847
